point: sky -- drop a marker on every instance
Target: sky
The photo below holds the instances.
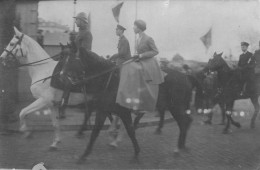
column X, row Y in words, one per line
column 176, row 26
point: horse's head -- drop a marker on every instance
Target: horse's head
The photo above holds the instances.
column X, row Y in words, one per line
column 216, row 62
column 14, row 50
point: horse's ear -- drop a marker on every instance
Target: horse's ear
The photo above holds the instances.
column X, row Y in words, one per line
column 221, row 54
column 214, row 54
column 17, row 32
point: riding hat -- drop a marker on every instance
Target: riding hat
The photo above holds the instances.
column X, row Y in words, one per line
column 140, row 24
column 82, row 16
column 121, row 27
column 244, row 44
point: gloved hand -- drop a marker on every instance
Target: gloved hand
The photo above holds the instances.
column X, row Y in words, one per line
column 136, row 57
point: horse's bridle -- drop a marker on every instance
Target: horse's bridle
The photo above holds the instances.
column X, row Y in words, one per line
column 19, row 42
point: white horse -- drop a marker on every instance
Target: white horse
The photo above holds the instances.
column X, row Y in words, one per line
column 26, row 50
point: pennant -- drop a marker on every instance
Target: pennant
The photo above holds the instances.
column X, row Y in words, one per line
column 116, row 11
column 207, row 39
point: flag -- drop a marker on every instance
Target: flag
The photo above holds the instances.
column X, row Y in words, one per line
column 89, row 21
column 116, row 11
column 207, row 38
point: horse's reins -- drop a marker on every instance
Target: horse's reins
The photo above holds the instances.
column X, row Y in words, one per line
column 104, row 72
column 35, row 62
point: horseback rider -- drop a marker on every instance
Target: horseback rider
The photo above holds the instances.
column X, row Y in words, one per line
column 246, row 66
column 124, row 52
column 84, row 37
column 139, row 81
column 257, row 60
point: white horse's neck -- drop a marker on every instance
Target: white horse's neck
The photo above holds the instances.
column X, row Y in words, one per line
column 34, row 53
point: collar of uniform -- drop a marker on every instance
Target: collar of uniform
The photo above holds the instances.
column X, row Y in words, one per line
column 121, row 37
column 83, row 27
column 245, row 52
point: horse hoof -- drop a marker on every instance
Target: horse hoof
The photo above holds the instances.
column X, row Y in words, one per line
column 134, row 160
column 113, row 145
column 27, row 135
column 53, row 148
column 81, row 160
column 207, row 122
column 238, row 125
column 61, row 117
column 80, row 135
column 225, row 131
column 158, row 131
column 184, row 149
column 176, row 151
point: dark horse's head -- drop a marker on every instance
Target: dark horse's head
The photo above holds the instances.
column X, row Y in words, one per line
column 88, row 62
column 217, row 62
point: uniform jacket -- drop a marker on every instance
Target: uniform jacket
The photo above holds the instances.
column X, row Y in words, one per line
column 151, row 69
column 246, row 62
column 124, row 52
column 84, row 39
column 257, row 58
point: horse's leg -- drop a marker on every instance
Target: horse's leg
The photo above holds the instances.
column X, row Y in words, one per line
column 125, row 115
column 222, row 109
column 118, row 138
column 228, row 112
column 254, row 100
column 112, row 130
column 36, row 105
column 99, row 122
column 56, row 125
column 137, row 119
column 64, row 103
column 87, row 115
column 209, row 111
column 230, row 108
column 161, row 112
column 88, row 112
column 184, row 121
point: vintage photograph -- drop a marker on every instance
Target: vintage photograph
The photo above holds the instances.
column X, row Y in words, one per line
column 130, row 84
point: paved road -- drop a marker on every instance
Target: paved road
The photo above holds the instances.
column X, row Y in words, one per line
column 208, row 149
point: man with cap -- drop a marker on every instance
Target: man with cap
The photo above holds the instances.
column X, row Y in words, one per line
column 124, row 52
column 246, row 66
column 84, row 36
column 82, row 39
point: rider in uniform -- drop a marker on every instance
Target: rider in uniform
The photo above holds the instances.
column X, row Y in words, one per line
column 246, row 66
column 124, row 52
column 83, row 39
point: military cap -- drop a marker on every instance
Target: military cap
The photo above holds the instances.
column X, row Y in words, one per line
column 121, row 27
column 140, row 24
column 82, row 16
column 244, row 44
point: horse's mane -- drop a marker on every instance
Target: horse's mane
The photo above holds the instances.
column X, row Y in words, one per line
column 33, row 46
column 94, row 62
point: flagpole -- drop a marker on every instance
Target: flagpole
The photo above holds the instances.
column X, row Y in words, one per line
column 74, row 14
column 135, row 19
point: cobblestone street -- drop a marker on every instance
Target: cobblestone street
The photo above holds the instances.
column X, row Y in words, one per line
column 207, row 149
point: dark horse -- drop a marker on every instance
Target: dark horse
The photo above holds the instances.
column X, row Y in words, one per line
column 208, row 97
column 229, row 83
column 102, row 86
column 187, row 79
